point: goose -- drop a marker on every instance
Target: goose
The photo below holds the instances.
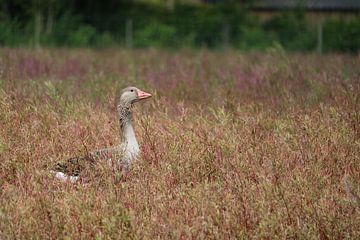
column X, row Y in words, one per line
column 123, row 154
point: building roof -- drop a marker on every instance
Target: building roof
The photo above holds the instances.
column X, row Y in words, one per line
column 316, row 5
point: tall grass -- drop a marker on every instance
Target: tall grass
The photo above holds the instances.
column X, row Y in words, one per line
column 233, row 145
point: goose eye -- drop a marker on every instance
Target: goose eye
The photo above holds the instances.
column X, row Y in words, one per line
column 132, row 90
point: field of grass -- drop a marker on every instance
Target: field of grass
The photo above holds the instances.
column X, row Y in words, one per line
column 262, row 146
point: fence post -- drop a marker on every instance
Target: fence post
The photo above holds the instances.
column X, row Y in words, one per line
column 129, row 33
column 37, row 29
column 320, row 37
column 225, row 36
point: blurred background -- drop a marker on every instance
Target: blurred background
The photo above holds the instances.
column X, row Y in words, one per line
column 247, row 25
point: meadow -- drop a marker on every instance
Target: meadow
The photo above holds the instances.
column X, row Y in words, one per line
column 234, row 145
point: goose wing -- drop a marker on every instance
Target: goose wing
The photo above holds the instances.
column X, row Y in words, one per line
column 75, row 165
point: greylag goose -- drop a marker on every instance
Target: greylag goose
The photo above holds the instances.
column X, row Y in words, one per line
column 123, row 154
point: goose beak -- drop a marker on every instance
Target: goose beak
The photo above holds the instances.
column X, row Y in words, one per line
column 143, row 95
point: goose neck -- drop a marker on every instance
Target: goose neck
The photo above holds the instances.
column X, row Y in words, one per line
column 127, row 132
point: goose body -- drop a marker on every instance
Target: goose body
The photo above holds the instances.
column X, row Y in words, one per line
column 122, row 155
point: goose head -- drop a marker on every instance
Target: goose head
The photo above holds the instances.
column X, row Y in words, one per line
column 131, row 95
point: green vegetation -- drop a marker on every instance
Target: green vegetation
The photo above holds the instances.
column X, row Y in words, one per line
column 100, row 24
column 233, row 145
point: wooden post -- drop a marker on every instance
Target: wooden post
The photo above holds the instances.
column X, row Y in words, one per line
column 320, row 38
column 129, row 33
column 50, row 20
column 226, row 36
column 37, row 28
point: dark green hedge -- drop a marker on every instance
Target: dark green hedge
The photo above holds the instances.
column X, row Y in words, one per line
column 85, row 23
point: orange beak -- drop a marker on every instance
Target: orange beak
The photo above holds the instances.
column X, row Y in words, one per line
column 143, row 95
